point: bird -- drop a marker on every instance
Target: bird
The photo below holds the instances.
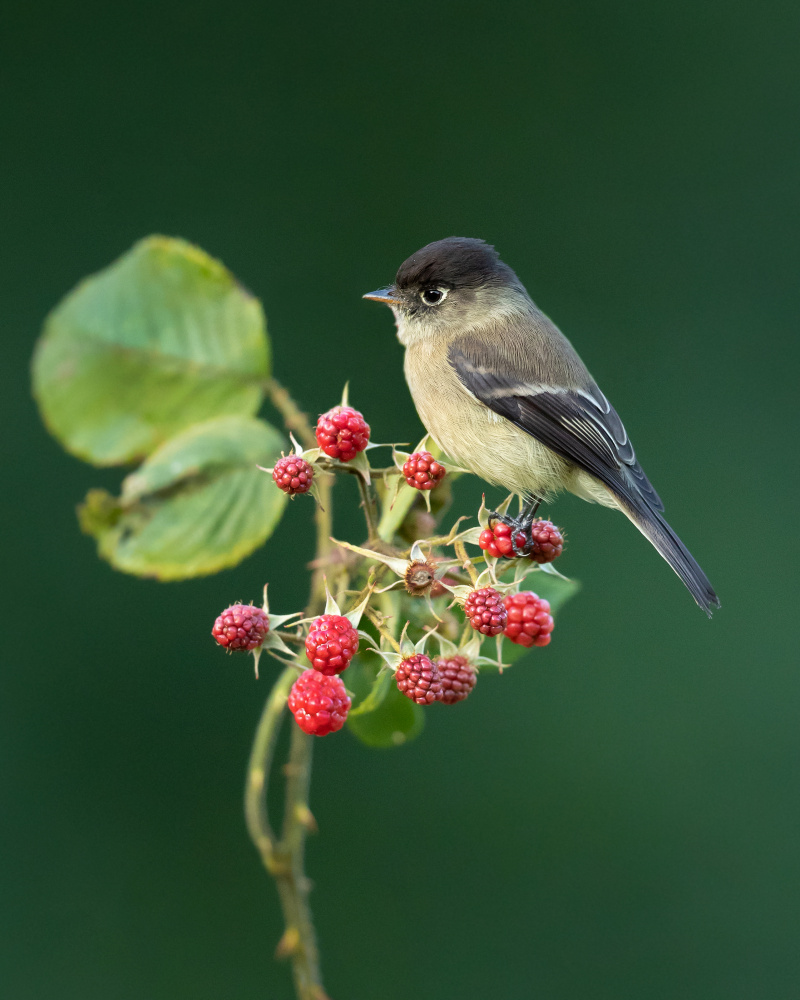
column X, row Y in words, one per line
column 505, row 395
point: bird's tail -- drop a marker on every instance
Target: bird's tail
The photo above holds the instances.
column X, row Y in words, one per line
column 652, row 525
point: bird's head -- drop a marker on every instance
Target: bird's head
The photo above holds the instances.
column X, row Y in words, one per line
column 452, row 284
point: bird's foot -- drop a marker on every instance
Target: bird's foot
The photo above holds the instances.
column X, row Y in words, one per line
column 521, row 541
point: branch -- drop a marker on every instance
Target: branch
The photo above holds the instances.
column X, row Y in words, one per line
column 283, row 858
column 392, row 517
column 382, row 630
column 323, row 519
column 258, row 771
column 294, row 418
column 368, row 503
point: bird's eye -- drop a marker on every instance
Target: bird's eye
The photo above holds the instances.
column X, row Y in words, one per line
column 433, row 296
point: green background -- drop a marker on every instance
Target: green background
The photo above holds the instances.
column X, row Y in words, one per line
column 617, row 816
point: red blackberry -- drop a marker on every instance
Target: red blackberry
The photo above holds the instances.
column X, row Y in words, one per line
column 544, row 543
column 293, row 475
column 529, row 620
column 418, row 679
column 342, row 433
column 422, row 471
column 547, row 541
column 331, row 644
column 318, row 703
column 486, row 612
column 458, row 678
column 241, row 626
column 496, row 540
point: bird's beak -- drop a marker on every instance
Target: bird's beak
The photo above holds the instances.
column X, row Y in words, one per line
column 388, row 295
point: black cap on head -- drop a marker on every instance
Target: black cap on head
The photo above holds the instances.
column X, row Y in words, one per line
column 457, row 262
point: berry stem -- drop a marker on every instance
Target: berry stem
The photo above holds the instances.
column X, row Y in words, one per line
column 294, row 418
column 255, row 799
column 323, row 519
column 377, row 621
column 283, row 858
column 368, row 505
column 293, row 884
column 297, row 422
column 393, row 516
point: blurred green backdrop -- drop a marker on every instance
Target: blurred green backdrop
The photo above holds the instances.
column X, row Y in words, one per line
column 614, row 818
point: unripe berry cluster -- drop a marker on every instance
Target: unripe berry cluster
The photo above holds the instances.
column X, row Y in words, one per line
column 293, row 475
column 422, row 471
column 485, row 611
column 331, row 644
column 241, row 626
column 446, row 679
column 318, row 698
column 342, row 433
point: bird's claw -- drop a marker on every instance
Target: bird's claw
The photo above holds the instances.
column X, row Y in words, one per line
column 519, row 526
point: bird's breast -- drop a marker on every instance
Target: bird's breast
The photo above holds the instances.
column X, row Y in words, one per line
column 473, row 435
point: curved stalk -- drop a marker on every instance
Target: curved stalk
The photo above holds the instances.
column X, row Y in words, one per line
column 284, row 857
column 294, row 418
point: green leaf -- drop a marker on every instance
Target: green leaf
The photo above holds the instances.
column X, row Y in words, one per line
column 196, row 506
column 553, row 588
column 161, row 339
column 381, row 716
column 512, row 652
column 376, row 695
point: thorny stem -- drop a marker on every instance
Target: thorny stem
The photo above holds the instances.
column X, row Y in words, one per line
column 283, row 858
column 382, row 630
column 255, row 800
column 368, row 503
column 294, row 418
column 323, row 520
column 365, row 491
column 394, row 515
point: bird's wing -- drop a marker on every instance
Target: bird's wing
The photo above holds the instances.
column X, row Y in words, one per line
column 579, row 424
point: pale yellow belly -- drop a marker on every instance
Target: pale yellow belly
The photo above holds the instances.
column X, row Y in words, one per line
column 477, row 438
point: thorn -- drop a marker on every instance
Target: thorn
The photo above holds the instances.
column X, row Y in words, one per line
column 305, row 818
column 289, row 943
